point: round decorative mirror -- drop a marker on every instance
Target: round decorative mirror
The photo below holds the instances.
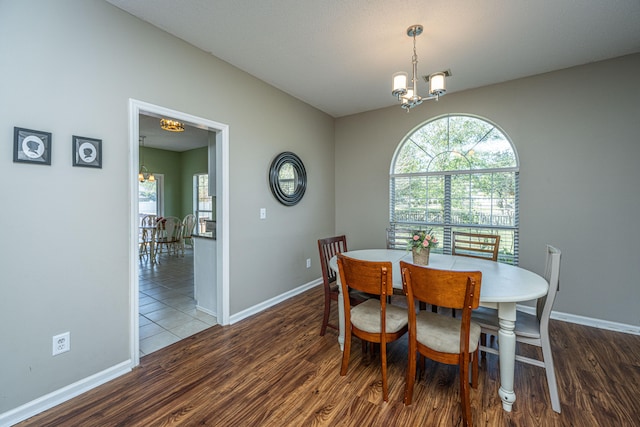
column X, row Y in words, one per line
column 287, row 178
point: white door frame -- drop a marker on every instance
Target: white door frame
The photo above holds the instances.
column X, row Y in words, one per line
column 136, row 108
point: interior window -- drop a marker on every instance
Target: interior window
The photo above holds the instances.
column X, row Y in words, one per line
column 203, row 202
column 457, row 172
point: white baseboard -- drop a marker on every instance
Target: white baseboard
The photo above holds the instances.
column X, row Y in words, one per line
column 273, row 301
column 206, row 310
column 587, row 321
column 59, row 396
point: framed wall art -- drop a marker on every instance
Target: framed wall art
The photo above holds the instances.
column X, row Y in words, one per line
column 87, row 152
column 31, row 146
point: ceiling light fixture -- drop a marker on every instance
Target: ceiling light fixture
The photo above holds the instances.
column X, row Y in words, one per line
column 143, row 173
column 171, row 125
column 409, row 97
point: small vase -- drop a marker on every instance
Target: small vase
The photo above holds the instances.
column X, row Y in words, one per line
column 421, row 258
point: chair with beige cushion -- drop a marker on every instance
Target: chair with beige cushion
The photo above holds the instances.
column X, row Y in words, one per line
column 532, row 329
column 439, row 337
column 373, row 321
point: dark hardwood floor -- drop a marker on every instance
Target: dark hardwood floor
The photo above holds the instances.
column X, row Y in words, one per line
column 275, row 370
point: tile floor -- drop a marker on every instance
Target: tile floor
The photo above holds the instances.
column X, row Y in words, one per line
column 167, row 306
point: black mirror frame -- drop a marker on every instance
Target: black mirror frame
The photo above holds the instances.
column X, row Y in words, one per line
column 301, row 178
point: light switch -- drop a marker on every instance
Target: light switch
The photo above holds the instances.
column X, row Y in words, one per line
column 263, row 213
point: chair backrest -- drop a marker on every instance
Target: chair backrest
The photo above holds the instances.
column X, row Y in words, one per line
column 148, row 221
column 552, row 275
column 443, row 288
column 328, row 248
column 171, row 228
column 371, row 277
column 484, row 246
column 189, row 224
column 398, row 237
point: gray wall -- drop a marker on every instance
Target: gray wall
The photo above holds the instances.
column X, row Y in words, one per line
column 70, row 67
column 576, row 133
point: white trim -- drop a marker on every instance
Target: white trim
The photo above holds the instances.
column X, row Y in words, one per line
column 206, row 310
column 136, row 108
column 273, row 301
column 63, row 394
column 586, row 321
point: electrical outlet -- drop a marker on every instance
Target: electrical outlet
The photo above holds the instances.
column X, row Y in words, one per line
column 61, row 343
column 263, row 213
column 308, row 262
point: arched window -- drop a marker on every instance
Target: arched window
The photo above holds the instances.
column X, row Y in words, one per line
column 457, row 172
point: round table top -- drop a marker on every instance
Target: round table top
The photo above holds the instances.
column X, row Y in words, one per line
column 500, row 282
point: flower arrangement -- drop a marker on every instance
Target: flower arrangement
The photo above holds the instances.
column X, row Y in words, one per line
column 422, row 240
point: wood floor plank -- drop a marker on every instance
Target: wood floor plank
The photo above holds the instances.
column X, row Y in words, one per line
column 275, row 370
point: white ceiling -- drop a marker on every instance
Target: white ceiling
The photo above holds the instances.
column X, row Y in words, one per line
column 155, row 137
column 339, row 55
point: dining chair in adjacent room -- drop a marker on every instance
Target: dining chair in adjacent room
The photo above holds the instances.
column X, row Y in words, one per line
column 328, row 248
column 188, row 227
column 484, row 246
column 373, row 321
column 145, row 234
column 168, row 234
column 444, row 339
column 532, row 329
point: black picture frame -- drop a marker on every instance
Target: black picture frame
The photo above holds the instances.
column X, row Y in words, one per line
column 86, row 152
column 31, row 146
column 290, row 189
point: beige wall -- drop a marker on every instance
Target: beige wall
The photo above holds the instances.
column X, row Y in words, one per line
column 69, row 67
column 578, row 145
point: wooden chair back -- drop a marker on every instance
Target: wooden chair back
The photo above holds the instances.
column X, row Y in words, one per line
column 552, row 275
column 365, row 276
column 483, row 246
column 398, row 237
column 328, row 248
column 444, row 288
column 189, row 224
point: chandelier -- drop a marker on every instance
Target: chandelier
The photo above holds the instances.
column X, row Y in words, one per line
column 409, row 97
column 143, row 173
column 171, row 125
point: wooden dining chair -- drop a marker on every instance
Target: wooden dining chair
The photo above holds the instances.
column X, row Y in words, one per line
column 484, row 246
column 328, row 248
column 373, row 321
column 531, row 329
column 441, row 338
column 188, row 227
column 168, row 234
column 145, row 234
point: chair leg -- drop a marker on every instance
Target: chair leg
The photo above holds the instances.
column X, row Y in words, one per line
column 474, row 369
column 411, row 377
column 483, row 342
column 383, row 358
column 551, row 373
column 465, row 403
column 325, row 317
column 346, row 353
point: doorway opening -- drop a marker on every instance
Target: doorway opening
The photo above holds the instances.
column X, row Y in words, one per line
column 218, row 144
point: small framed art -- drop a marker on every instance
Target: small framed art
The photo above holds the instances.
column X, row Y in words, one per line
column 31, row 146
column 87, row 152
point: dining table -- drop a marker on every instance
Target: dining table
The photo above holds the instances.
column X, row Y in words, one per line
column 502, row 287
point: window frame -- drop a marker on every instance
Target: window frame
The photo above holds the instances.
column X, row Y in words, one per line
column 447, row 225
